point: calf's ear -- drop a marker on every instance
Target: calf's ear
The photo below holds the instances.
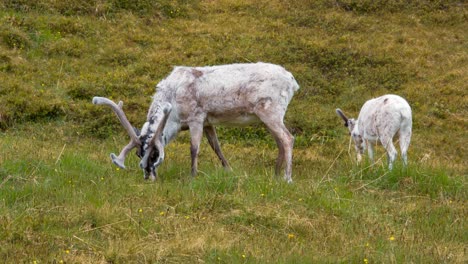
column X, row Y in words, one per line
column 343, row 116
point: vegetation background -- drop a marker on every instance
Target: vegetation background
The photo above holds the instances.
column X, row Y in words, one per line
column 62, row 201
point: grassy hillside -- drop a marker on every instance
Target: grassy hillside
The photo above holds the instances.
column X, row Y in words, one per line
column 61, row 199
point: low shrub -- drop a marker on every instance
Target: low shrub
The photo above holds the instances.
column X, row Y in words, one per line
column 164, row 8
column 22, row 102
column 379, row 6
column 14, row 38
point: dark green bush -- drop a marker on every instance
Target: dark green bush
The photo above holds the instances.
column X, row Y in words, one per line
column 14, row 38
column 165, row 8
column 19, row 5
column 380, row 6
column 21, row 103
column 101, row 122
column 69, row 26
column 83, row 91
column 71, row 47
column 337, row 69
column 91, row 120
column 118, row 57
column 5, row 63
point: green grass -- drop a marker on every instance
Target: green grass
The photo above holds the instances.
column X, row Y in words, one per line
column 65, row 201
column 62, row 200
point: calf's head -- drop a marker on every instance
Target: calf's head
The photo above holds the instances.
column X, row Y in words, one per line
column 150, row 148
column 350, row 123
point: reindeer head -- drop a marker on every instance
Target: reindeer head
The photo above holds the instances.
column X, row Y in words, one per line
column 150, row 148
column 351, row 124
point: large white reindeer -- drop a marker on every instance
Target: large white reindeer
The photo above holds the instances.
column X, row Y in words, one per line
column 198, row 98
column 379, row 120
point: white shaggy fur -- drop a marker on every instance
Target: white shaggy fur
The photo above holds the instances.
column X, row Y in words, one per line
column 198, row 98
column 379, row 120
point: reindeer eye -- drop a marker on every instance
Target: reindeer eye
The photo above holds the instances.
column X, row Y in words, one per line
column 139, row 152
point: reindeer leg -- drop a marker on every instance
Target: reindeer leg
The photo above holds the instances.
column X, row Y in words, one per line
column 285, row 142
column 210, row 133
column 405, row 138
column 273, row 119
column 370, row 151
column 196, row 133
column 281, row 153
column 387, row 142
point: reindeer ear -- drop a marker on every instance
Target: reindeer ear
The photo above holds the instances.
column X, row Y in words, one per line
column 137, row 131
column 166, row 109
column 157, row 122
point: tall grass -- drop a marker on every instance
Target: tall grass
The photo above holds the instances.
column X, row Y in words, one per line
column 64, row 201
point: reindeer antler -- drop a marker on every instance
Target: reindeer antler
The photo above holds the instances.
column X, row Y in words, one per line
column 134, row 140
